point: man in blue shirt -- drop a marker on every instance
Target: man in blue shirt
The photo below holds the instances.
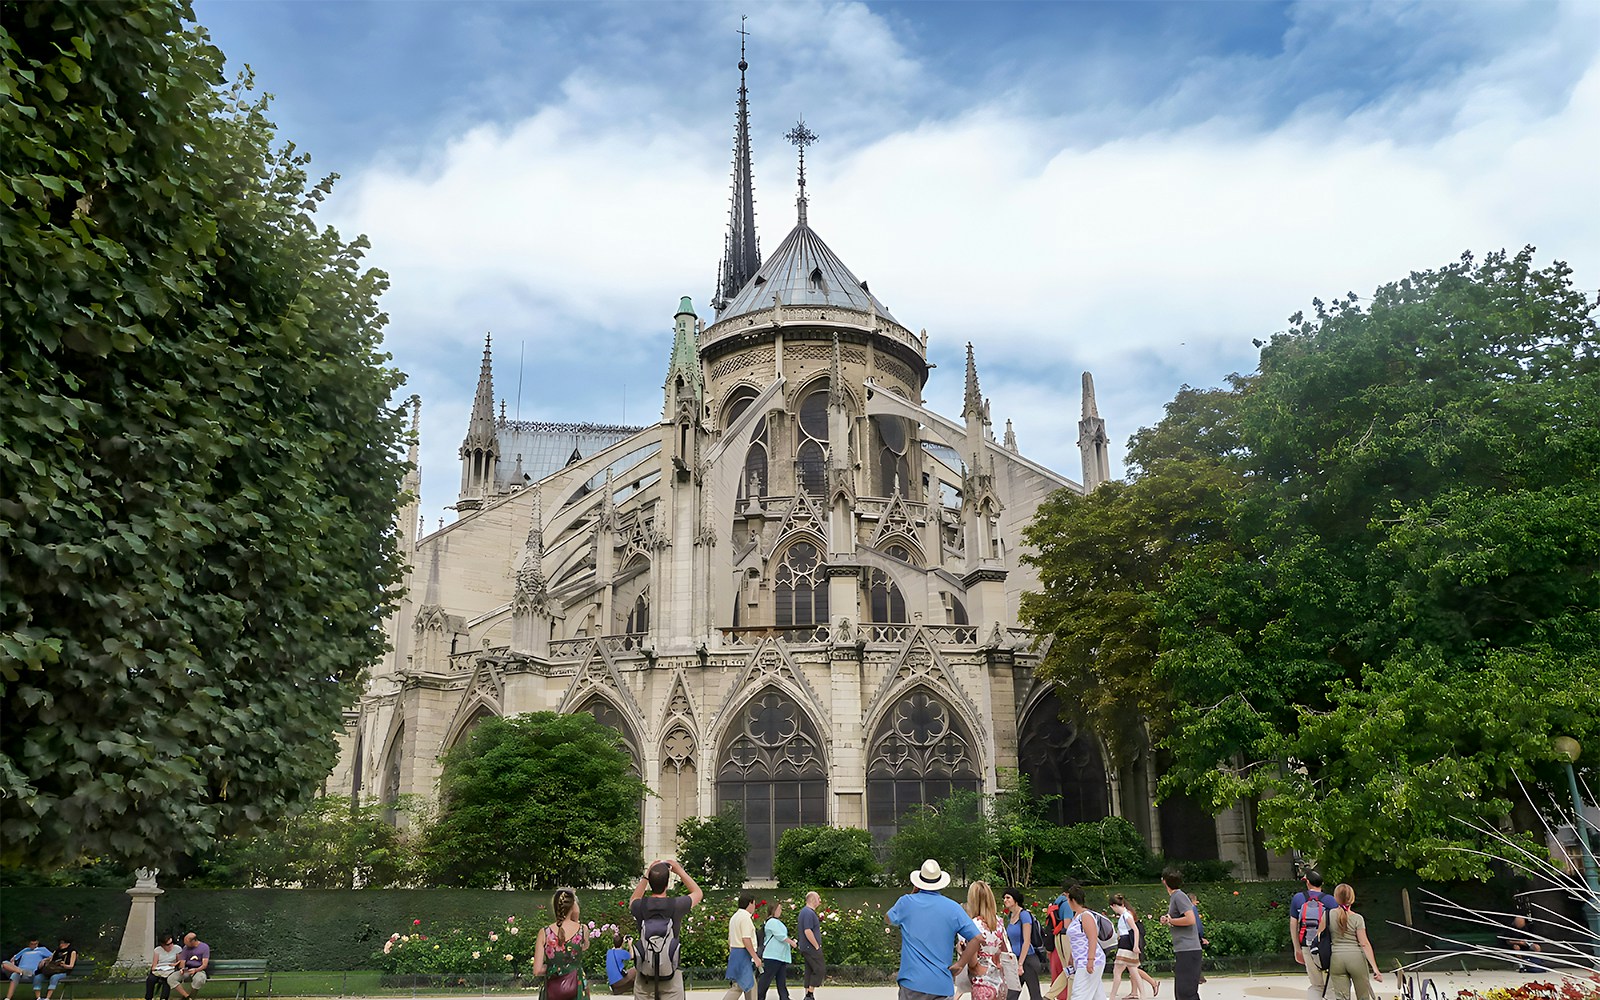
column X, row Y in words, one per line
column 25, row 965
column 930, row 925
column 1303, row 932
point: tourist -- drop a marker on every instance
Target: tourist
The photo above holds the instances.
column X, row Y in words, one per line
column 1352, row 952
column 163, row 961
column 930, row 923
column 1306, row 910
column 1058, row 913
column 558, row 954
column 1023, row 931
column 1084, row 957
column 1519, row 939
column 660, row 921
column 59, row 966
column 816, row 966
column 1130, row 951
column 193, row 962
column 25, row 965
column 618, row 975
column 1184, row 923
column 744, row 961
column 776, row 952
column 987, row 978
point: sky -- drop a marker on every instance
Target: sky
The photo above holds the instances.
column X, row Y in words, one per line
column 1139, row 190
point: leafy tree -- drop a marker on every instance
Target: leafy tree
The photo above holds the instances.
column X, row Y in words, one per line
column 954, row 830
column 202, row 469
column 714, row 848
column 535, row 801
column 825, row 857
column 1019, row 831
column 1412, row 608
column 328, row 845
column 1105, row 558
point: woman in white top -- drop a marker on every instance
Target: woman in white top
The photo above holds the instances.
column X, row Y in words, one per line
column 163, row 962
column 1087, row 958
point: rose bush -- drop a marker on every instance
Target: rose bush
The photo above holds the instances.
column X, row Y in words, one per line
column 494, row 946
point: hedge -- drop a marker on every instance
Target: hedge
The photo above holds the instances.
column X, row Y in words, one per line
column 333, row 929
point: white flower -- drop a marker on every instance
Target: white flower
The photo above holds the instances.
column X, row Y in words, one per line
column 493, row 936
column 508, row 958
column 475, row 954
column 516, row 930
column 388, row 946
column 395, row 936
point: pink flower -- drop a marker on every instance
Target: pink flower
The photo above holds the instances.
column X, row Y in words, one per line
column 416, row 923
column 511, row 920
column 493, row 936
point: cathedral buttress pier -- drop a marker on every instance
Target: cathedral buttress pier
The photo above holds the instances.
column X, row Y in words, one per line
column 794, row 596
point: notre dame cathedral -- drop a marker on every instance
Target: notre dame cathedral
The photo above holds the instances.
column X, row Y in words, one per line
column 795, row 594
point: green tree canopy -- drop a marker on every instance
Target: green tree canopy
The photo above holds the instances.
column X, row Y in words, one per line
column 1362, row 586
column 536, row 801
column 327, row 845
column 715, row 848
column 201, row 466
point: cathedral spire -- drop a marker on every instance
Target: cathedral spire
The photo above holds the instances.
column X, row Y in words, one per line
column 480, row 429
column 741, row 257
column 972, row 402
column 1093, row 443
column 801, row 137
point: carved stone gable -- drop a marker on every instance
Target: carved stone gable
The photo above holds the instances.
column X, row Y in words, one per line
column 599, row 672
column 896, row 520
column 920, row 663
column 770, row 663
column 430, row 618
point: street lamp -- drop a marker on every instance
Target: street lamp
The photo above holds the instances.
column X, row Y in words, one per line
column 1571, row 749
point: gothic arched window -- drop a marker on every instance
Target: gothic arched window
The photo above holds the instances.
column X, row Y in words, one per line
column 607, row 715
column 890, row 442
column 811, row 457
column 639, row 615
column 1064, row 763
column 800, row 587
column 887, row 605
column 389, row 793
column 755, row 480
column 920, row 753
column 772, row 772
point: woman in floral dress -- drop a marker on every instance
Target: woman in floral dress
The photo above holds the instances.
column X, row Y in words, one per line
column 560, row 949
column 988, row 979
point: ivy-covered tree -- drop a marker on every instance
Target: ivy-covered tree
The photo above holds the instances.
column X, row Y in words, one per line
column 537, row 801
column 200, row 463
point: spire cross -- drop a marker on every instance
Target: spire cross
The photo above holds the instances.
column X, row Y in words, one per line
column 743, row 34
column 801, row 136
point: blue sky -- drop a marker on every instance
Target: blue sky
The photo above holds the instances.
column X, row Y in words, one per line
column 1135, row 189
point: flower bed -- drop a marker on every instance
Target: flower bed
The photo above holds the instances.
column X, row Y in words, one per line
column 1570, row 988
column 495, row 946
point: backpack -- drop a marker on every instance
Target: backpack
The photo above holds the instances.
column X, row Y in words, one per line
column 1043, row 940
column 1105, row 931
column 1308, row 924
column 761, row 938
column 655, row 953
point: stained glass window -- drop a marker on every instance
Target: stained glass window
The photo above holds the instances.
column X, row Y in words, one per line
column 811, row 464
column 800, row 587
column 920, row 753
column 773, row 774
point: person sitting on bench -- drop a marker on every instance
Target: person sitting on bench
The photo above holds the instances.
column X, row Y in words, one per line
column 25, row 965
column 192, row 965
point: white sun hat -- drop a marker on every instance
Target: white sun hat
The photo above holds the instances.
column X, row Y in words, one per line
column 930, row 876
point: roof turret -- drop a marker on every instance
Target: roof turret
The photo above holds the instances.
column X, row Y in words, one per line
column 481, row 427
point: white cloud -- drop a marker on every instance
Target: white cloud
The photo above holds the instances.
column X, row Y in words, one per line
column 1152, row 258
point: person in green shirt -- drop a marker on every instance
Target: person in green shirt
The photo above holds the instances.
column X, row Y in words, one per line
column 775, row 954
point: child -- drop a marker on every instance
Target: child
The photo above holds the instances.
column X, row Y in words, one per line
column 617, row 973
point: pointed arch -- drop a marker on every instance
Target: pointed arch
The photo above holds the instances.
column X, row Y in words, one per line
column 609, row 713
column 921, row 663
column 389, row 772
column 772, row 769
column 468, row 720
column 1062, row 760
column 920, row 752
column 800, row 584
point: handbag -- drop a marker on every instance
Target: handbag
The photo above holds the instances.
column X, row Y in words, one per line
column 566, row 986
column 1008, row 965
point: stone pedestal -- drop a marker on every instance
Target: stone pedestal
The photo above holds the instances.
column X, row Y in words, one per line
column 139, row 936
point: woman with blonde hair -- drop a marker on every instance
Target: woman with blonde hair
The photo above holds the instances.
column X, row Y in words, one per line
column 1352, row 952
column 987, row 979
column 558, row 954
column 1130, row 950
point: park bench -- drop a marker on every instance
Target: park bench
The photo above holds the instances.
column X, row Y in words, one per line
column 239, row 971
column 81, row 972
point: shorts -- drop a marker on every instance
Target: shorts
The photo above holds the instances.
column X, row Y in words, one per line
column 906, row 993
column 815, row 968
column 195, row 982
column 1128, row 957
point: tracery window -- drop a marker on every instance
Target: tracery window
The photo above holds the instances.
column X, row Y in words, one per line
column 607, row 715
column 639, row 615
column 755, row 481
column 920, row 753
column 810, row 458
column 800, row 587
column 887, row 604
column 772, row 772
column 893, row 468
column 1064, row 763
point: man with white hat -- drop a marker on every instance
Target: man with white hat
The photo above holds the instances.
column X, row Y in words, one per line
column 931, row 925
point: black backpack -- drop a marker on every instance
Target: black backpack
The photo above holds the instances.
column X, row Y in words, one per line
column 655, row 953
column 1042, row 941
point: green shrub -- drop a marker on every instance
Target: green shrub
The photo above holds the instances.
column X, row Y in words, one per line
column 713, row 849
column 1100, row 853
column 812, row 857
column 953, row 830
